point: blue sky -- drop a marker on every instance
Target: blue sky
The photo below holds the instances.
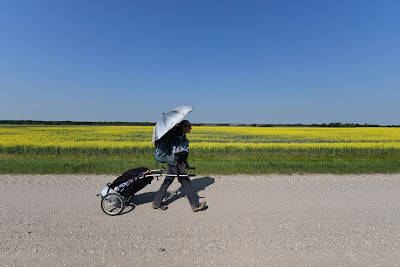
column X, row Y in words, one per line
column 235, row 61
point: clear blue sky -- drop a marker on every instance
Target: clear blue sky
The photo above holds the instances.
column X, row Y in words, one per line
column 235, row 61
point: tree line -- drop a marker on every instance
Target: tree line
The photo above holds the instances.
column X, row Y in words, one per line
column 332, row 124
column 33, row 122
column 122, row 123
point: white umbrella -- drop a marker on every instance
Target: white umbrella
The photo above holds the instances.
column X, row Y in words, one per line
column 169, row 120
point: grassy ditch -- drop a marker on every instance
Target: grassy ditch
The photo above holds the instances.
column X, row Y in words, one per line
column 206, row 165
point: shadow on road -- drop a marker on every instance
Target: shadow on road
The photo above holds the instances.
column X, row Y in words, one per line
column 198, row 184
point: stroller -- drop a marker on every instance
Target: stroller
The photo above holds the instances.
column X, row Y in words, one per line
column 116, row 194
column 121, row 191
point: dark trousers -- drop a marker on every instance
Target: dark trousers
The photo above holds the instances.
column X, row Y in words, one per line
column 185, row 182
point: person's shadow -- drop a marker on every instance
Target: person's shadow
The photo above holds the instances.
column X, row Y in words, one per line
column 198, row 184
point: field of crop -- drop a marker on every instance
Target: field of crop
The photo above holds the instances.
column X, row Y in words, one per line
column 112, row 149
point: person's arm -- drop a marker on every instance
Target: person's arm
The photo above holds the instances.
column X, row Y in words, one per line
column 176, row 144
column 187, row 166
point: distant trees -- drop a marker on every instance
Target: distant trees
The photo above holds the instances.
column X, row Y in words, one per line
column 33, row 122
column 332, row 124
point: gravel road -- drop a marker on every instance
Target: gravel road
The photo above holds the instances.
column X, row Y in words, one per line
column 273, row 220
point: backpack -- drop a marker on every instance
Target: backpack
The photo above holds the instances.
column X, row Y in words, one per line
column 134, row 187
column 164, row 143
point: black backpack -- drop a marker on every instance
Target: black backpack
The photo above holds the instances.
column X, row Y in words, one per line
column 164, row 143
column 136, row 185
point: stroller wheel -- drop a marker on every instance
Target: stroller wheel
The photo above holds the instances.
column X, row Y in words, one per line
column 112, row 204
column 128, row 199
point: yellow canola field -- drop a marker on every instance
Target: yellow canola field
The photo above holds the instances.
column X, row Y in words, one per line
column 134, row 140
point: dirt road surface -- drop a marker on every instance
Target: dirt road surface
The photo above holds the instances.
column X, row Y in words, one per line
column 274, row 220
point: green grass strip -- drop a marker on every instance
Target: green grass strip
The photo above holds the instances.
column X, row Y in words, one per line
column 206, row 165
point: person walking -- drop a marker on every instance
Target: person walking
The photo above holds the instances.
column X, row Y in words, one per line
column 180, row 153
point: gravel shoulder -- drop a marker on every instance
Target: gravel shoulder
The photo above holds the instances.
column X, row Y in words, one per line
column 272, row 220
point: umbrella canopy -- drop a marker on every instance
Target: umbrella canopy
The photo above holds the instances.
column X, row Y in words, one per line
column 169, row 120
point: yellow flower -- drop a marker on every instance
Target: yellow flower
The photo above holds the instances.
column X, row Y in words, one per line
column 128, row 140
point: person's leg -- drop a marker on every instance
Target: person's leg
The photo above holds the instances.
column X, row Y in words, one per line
column 160, row 194
column 167, row 182
column 187, row 187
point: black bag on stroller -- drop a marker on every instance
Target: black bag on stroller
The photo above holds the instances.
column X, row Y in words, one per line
column 121, row 191
column 136, row 185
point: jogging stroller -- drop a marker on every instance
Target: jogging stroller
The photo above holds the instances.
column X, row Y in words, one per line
column 116, row 194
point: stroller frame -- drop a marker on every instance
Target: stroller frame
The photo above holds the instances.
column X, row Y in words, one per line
column 113, row 203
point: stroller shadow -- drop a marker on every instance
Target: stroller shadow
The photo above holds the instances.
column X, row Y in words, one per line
column 198, row 184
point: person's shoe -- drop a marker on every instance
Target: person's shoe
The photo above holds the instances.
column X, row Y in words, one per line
column 200, row 207
column 162, row 207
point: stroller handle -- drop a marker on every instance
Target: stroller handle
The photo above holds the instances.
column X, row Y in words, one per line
column 159, row 170
column 158, row 173
column 173, row 175
column 181, row 175
column 154, row 175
